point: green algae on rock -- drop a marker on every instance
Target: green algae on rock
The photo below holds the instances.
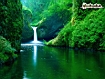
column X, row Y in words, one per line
column 27, row 31
column 6, row 51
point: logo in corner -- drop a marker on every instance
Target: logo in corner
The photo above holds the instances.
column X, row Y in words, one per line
column 90, row 5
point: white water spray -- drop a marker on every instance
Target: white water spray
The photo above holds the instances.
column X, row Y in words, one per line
column 35, row 34
column 35, row 41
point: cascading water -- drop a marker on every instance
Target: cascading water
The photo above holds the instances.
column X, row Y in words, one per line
column 35, row 34
column 35, row 41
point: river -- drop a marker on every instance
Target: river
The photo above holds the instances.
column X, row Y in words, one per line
column 43, row 62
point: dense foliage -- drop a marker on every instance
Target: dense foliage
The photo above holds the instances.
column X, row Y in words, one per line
column 54, row 18
column 50, row 14
column 82, row 28
column 11, row 23
column 85, row 30
column 6, row 51
column 90, row 32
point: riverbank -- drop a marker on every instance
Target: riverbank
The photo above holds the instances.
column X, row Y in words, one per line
column 86, row 33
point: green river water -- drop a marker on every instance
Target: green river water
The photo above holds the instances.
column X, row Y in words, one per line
column 42, row 62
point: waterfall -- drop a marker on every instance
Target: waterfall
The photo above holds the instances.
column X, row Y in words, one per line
column 35, row 34
column 35, row 41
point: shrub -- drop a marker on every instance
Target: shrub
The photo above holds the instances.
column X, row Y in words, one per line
column 6, row 51
column 86, row 33
column 89, row 33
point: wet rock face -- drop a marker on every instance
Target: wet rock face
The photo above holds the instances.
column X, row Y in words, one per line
column 6, row 51
column 49, row 28
column 46, row 34
column 27, row 31
column 52, row 24
column 27, row 34
column 11, row 21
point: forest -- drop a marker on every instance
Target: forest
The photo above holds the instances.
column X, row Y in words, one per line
column 60, row 23
column 65, row 23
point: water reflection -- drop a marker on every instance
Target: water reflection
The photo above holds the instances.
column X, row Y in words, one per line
column 25, row 75
column 35, row 55
column 42, row 62
column 13, row 71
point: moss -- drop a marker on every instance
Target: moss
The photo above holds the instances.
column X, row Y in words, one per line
column 6, row 51
column 63, row 37
column 90, row 31
column 56, row 42
column 11, row 22
column 53, row 19
column 24, row 8
column 27, row 31
column 87, row 33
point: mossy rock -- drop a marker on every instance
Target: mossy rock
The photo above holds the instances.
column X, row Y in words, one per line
column 50, row 27
column 6, row 51
column 27, row 34
column 88, row 33
column 27, row 31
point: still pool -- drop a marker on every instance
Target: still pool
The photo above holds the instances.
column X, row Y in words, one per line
column 43, row 62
